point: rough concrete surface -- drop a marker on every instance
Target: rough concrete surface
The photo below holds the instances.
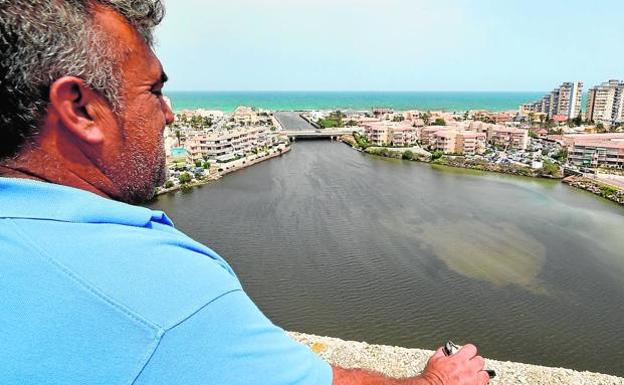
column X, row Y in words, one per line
column 401, row 362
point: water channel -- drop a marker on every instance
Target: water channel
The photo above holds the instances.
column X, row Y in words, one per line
column 330, row 241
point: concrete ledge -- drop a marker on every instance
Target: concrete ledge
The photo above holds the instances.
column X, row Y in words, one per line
column 401, row 362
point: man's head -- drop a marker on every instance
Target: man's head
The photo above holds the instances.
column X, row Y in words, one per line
column 79, row 81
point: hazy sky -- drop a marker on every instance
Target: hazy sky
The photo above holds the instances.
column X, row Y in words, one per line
column 507, row 45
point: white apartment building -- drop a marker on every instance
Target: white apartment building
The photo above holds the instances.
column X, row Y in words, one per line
column 219, row 145
column 605, row 102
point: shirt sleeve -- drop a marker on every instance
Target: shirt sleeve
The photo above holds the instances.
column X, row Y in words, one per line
column 229, row 341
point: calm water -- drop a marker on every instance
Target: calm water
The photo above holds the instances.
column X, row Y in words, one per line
column 451, row 101
column 329, row 241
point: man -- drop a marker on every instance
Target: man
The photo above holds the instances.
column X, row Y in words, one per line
column 96, row 291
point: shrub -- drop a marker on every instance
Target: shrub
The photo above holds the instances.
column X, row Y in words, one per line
column 408, row 155
column 437, row 155
column 185, row 178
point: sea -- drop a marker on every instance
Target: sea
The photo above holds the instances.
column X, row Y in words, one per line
column 354, row 100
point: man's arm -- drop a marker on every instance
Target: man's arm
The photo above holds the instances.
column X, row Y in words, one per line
column 463, row 368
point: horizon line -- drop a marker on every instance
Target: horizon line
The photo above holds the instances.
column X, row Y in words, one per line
column 370, row 91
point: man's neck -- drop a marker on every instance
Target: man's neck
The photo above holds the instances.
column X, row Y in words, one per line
column 36, row 164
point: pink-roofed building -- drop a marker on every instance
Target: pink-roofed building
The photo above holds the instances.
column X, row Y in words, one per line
column 377, row 133
column 385, row 133
column 471, row 143
column 445, row 141
column 404, row 135
column 596, row 150
column 508, row 137
column 427, row 134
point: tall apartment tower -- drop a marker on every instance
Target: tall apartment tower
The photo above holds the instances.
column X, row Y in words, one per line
column 618, row 104
column 570, row 99
column 562, row 101
column 605, row 102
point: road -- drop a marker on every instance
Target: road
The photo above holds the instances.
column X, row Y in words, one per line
column 292, row 121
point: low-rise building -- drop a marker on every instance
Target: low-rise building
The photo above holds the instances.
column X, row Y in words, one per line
column 391, row 134
column 245, row 116
column 453, row 140
column 508, row 137
column 596, row 150
column 471, row 143
column 445, row 141
column 220, row 144
column 428, row 135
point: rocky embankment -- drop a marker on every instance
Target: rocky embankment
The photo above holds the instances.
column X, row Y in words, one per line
column 481, row 165
column 401, row 362
column 604, row 190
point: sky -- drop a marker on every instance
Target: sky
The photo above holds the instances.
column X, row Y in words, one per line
column 390, row 45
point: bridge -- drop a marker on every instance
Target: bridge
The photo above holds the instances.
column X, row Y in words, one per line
column 328, row 133
column 295, row 126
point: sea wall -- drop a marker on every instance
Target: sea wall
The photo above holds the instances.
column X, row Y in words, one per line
column 401, row 362
column 601, row 189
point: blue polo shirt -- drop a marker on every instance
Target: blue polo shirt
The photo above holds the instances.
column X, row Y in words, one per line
column 94, row 291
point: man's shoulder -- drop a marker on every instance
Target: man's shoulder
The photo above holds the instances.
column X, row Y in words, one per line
column 153, row 271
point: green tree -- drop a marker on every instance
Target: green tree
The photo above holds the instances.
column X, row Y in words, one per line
column 168, row 184
column 426, row 117
column 437, row 155
column 577, row 121
column 561, row 155
column 408, row 155
column 198, row 163
column 178, row 135
column 185, row 178
column 439, row 122
column 551, row 169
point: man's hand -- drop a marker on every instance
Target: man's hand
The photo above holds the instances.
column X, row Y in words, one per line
column 462, row 368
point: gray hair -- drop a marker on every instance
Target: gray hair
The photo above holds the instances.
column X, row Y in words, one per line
column 44, row 40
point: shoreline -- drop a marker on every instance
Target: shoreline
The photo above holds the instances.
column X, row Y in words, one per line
column 451, row 161
column 603, row 190
column 223, row 173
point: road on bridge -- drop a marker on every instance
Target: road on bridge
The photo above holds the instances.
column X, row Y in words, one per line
column 292, row 121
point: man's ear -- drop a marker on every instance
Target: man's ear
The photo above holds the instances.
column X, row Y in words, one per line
column 72, row 100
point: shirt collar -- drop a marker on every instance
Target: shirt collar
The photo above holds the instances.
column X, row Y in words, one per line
column 28, row 199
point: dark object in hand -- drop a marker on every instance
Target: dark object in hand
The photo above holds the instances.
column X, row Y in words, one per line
column 450, row 348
